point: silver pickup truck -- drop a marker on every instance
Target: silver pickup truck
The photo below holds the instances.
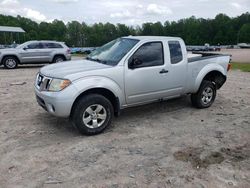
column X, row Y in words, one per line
column 128, row 71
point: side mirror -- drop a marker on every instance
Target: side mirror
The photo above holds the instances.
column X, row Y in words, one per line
column 25, row 48
column 134, row 63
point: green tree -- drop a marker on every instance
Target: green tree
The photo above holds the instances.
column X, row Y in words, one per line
column 74, row 34
column 123, row 30
column 195, row 31
column 57, row 30
column 244, row 33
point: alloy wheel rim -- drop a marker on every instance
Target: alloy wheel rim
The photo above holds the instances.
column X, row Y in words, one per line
column 10, row 63
column 94, row 116
column 207, row 95
column 59, row 60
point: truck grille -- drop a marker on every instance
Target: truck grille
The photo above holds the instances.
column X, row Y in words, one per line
column 42, row 82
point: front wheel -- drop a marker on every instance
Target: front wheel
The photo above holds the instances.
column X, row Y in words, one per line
column 92, row 114
column 205, row 96
column 10, row 62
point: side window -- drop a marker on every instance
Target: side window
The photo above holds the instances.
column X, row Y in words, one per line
column 149, row 54
column 54, row 45
column 175, row 52
column 33, row 45
column 57, row 45
column 41, row 46
column 46, row 45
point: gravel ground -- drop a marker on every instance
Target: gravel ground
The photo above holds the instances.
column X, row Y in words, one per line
column 238, row 55
column 167, row 144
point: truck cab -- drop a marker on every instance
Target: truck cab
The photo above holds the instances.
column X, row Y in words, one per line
column 152, row 68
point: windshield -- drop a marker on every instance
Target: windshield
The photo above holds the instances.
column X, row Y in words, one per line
column 22, row 45
column 112, row 52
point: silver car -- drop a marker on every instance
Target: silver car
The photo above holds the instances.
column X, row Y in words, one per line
column 34, row 52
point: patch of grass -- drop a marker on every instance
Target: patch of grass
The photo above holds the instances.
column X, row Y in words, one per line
column 79, row 55
column 245, row 67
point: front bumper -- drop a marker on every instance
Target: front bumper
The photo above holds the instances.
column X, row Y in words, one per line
column 56, row 103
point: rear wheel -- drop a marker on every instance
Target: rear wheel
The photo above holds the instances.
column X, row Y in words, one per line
column 205, row 96
column 10, row 62
column 58, row 58
column 92, row 114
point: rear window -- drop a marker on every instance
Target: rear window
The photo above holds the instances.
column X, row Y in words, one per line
column 175, row 52
column 52, row 45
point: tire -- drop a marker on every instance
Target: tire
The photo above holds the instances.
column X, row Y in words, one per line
column 58, row 59
column 10, row 62
column 92, row 114
column 205, row 96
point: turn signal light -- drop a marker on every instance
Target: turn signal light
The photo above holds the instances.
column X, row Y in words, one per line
column 229, row 66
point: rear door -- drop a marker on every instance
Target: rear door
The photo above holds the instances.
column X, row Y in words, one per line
column 177, row 66
column 46, row 51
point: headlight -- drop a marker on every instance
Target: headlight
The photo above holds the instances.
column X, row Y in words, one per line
column 58, row 84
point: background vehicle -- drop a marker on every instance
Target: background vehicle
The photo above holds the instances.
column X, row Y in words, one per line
column 34, row 52
column 204, row 48
column 244, row 45
column 127, row 72
column 86, row 50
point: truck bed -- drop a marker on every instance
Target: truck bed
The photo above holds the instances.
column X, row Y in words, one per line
column 199, row 56
column 204, row 61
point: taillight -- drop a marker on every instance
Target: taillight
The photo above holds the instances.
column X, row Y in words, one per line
column 229, row 66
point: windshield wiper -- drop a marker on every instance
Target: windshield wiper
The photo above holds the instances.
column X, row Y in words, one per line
column 89, row 58
column 101, row 61
column 96, row 60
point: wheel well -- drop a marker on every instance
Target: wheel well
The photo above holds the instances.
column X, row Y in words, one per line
column 216, row 77
column 60, row 55
column 104, row 92
column 10, row 56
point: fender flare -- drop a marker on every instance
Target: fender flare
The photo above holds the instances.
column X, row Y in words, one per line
column 206, row 70
column 14, row 55
column 99, row 82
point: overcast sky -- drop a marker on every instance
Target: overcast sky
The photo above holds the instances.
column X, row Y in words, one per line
column 131, row 12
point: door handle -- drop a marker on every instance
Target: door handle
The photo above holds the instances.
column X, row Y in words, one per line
column 163, row 71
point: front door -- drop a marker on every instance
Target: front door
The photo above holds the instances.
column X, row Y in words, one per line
column 146, row 74
column 31, row 53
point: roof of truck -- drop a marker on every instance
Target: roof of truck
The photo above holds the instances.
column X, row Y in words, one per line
column 152, row 37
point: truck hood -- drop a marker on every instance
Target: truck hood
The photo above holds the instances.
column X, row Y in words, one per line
column 65, row 69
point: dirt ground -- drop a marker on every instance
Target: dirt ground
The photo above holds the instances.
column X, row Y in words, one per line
column 167, row 144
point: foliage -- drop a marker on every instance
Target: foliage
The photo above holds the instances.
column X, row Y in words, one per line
column 245, row 67
column 195, row 31
column 244, row 33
